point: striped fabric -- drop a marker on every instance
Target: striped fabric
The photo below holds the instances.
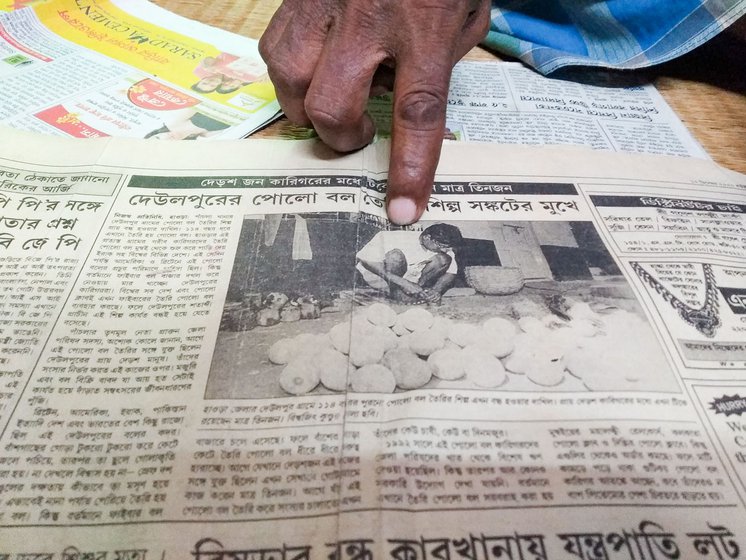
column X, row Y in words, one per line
column 550, row 34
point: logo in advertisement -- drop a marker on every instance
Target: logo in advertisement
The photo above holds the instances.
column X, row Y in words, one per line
column 736, row 299
column 149, row 94
column 68, row 122
column 729, row 405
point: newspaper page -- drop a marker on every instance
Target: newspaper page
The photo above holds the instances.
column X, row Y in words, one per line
column 98, row 68
column 506, row 102
column 224, row 354
column 160, row 81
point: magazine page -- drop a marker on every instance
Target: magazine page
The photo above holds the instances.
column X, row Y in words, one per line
column 128, row 68
column 10, row 5
column 243, row 358
column 507, row 103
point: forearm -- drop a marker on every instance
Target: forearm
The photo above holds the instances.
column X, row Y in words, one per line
column 444, row 283
column 392, row 279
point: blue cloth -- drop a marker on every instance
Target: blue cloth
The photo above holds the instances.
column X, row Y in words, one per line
column 550, row 34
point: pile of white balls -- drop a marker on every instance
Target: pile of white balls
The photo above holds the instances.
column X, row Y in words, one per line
column 379, row 350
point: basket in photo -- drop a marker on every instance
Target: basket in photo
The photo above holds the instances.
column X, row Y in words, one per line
column 494, row 280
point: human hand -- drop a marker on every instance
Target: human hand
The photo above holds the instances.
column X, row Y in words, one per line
column 431, row 296
column 418, row 292
column 326, row 57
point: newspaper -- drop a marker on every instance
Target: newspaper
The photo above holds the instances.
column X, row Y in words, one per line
column 98, row 68
column 128, row 68
column 508, row 103
column 216, row 353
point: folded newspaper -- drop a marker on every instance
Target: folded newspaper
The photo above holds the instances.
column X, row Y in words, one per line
column 230, row 354
column 98, row 68
column 508, row 103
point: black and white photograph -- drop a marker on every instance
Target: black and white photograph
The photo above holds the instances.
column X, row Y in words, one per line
column 337, row 302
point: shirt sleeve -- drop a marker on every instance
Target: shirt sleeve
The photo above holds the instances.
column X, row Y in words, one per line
column 453, row 268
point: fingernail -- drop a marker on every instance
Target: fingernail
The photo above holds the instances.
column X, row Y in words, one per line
column 402, row 211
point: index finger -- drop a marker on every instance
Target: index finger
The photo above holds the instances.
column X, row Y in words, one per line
column 419, row 117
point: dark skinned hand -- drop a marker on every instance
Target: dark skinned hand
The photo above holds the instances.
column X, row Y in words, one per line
column 326, row 57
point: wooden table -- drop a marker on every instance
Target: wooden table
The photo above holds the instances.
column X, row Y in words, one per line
column 707, row 88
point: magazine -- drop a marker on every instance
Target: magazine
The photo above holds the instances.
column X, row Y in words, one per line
column 99, row 68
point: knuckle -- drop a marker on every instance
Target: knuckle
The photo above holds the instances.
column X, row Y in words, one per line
column 422, row 109
column 288, row 76
column 414, row 177
column 483, row 27
column 438, row 10
column 265, row 50
column 294, row 113
column 483, row 22
column 328, row 115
